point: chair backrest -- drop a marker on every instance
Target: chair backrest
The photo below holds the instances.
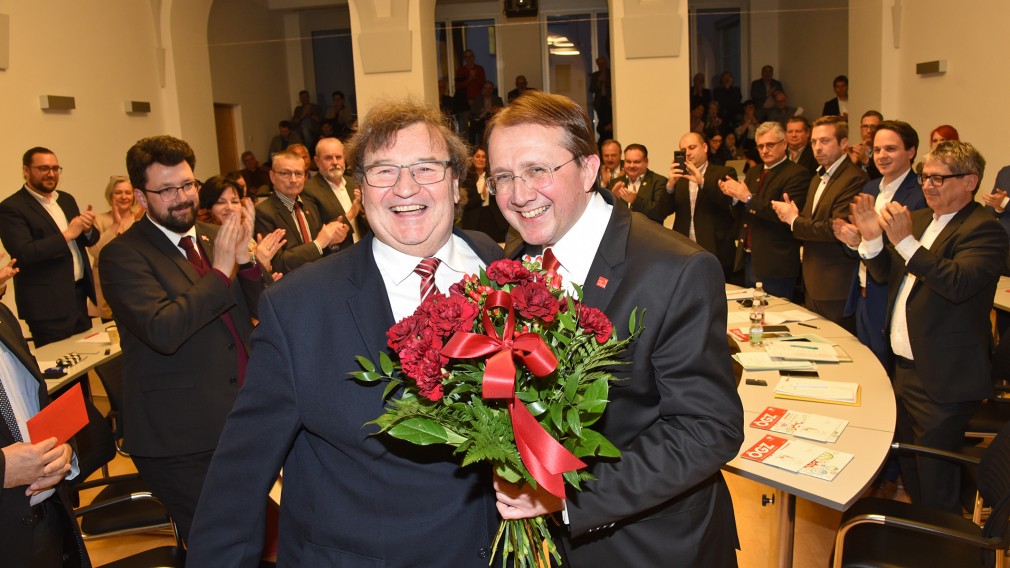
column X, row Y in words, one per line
column 111, row 375
column 994, row 487
column 95, row 444
column 1001, row 361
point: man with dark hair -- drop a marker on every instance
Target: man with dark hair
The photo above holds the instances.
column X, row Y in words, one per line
column 941, row 266
column 771, row 254
column 781, row 112
column 285, row 137
column 676, row 417
column 520, row 88
column 350, row 497
column 256, row 176
column 48, row 234
column 307, row 237
column 838, row 106
column 182, row 293
column 341, row 116
column 861, row 153
column 307, row 118
column 762, row 91
column 894, row 147
column 827, row 267
column 798, row 141
column 37, row 527
column 704, row 214
column 639, row 188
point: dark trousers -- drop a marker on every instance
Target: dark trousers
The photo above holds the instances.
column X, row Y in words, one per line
column 176, row 481
column 53, row 330
column 870, row 331
column 48, row 534
column 924, row 421
column 779, row 287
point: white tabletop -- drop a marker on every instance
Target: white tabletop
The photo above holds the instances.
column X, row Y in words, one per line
column 1002, row 299
column 868, row 435
column 85, row 344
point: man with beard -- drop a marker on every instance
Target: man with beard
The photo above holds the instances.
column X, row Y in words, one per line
column 336, row 195
column 182, row 293
column 46, row 231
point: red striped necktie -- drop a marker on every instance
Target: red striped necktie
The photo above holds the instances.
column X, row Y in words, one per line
column 426, row 270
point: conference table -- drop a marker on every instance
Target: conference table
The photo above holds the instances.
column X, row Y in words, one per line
column 868, row 435
column 1002, row 299
column 92, row 347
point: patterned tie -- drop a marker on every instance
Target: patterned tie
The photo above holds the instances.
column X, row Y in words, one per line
column 9, row 418
column 426, row 270
column 194, row 257
column 550, row 262
column 302, row 226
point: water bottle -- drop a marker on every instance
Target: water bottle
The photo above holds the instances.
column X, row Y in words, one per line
column 757, row 316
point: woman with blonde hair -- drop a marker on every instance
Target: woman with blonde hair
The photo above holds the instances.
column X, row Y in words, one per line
column 125, row 210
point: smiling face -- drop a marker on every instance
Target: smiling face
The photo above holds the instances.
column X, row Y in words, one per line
column 541, row 216
column 178, row 214
column 44, row 182
column 412, row 218
column 797, row 134
column 953, row 195
column 226, row 205
column 635, row 163
column 479, row 160
column 890, row 155
column 330, row 159
column 611, row 155
column 122, row 196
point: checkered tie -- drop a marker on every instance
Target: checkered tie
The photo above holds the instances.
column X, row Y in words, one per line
column 426, row 270
column 9, row 418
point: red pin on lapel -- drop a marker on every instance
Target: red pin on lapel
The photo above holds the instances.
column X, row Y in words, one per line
column 601, row 282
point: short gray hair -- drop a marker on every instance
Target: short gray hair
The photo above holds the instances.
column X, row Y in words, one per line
column 770, row 126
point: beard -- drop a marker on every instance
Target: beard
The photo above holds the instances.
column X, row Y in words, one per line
column 175, row 223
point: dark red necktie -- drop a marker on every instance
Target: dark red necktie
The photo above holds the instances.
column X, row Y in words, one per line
column 550, row 262
column 760, row 188
column 426, row 270
column 302, row 227
column 194, row 257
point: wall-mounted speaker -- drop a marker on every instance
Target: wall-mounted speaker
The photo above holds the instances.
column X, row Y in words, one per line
column 56, row 102
column 931, row 67
column 137, row 106
column 520, row 8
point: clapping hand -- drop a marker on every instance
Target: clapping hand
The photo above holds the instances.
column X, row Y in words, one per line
column 786, row 209
column 846, row 232
column 8, row 270
column 995, row 199
column 734, row 188
column 865, row 217
column 625, row 193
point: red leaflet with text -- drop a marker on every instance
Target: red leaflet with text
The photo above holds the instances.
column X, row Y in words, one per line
column 764, row 448
column 768, row 418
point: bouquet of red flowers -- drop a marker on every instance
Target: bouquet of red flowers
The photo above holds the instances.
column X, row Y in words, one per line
column 456, row 361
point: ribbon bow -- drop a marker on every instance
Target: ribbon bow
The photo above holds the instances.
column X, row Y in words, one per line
column 542, row 455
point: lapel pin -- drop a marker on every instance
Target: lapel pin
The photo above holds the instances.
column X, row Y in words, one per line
column 204, row 238
column 601, row 282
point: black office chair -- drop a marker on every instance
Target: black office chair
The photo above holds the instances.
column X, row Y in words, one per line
column 882, row 532
column 110, row 373
column 123, row 505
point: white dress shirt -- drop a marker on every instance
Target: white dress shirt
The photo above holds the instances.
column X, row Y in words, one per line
column 576, row 250
column 900, row 344
column 60, row 218
column 884, row 196
column 340, row 191
column 403, row 286
column 176, row 237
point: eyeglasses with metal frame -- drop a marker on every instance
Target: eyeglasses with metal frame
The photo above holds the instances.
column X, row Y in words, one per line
column 535, row 177
column 424, row 172
column 170, row 193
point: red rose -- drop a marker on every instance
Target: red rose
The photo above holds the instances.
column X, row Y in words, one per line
column 507, row 271
column 457, row 289
column 404, row 329
column 534, row 300
column 447, row 315
column 594, row 321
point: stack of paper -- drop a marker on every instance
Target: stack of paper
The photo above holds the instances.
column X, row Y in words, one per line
column 841, row 356
column 775, row 318
column 761, row 361
column 741, row 294
column 802, row 351
column 816, row 390
column 798, row 457
column 801, row 424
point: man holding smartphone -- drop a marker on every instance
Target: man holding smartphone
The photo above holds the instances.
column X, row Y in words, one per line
column 704, row 212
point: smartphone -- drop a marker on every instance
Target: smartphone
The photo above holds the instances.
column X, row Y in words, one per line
column 794, row 373
column 680, row 157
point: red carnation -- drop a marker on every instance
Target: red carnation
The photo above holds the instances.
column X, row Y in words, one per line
column 507, row 271
column 447, row 315
column 425, row 367
column 594, row 321
column 404, row 329
column 534, row 300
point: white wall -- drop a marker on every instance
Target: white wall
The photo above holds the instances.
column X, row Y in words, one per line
column 813, row 50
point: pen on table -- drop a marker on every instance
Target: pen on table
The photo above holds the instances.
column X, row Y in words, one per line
column 92, row 335
column 791, row 344
column 807, row 325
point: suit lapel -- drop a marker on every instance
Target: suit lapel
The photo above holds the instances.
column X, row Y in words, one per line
column 168, row 248
column 206, row 239
column 952, row 226
column 371, row 292
column 607, row 271
column 39, row 210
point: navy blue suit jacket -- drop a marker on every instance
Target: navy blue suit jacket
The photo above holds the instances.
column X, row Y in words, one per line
column 350, row 498
column 1002, row 182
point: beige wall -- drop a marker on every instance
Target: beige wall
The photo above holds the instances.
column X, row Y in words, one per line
column 813, row 50
column 247, row 55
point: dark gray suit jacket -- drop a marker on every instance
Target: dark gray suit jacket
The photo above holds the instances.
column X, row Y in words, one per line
column 179, row 357
column 271, row 214
column 653, row 201
column 350, row 498
column 675, row 415
column 715, row 228
column 317, row 191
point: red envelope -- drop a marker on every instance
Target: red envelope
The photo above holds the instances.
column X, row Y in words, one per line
column 63, row 418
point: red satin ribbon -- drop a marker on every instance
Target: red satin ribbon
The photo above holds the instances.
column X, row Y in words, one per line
column 542, row 455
